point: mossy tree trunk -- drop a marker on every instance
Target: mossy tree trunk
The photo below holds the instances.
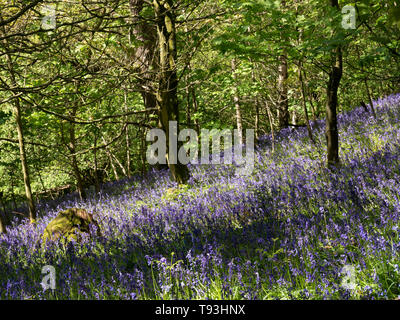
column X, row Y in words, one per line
column 167, row 95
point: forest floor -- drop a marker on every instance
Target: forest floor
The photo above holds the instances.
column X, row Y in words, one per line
column 291, row 230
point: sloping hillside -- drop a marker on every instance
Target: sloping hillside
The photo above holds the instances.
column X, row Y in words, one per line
column 290, row 230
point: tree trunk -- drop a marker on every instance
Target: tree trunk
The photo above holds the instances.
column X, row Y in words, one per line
column 2, row 216
column 271, row 124
column 25, row 169
column 2, row 224
column 195, row 110
column 303, row 95
column 256, row 103
column 143, row 133
column 21, row 143
column 188, row 101
column 236, row 100
column 74, row 159
column 283, row 92
column 370, row 97
column 127, row 142
column 3, row 205
column 13, row 200
column 112, row 156
column 257, row 120
column 145, row 56
column 167, row 91
column 335, row 75
column 96, row 176
column 112, row 165
column 365, row 80
column 283, row 102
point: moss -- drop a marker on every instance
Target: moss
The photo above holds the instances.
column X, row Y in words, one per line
column 67, row 225
column 173, row 193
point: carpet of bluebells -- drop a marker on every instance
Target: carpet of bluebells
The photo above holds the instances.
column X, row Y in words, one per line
column 288, row 231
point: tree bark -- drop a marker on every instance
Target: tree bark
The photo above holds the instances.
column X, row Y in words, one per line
column 2, row 224
column 271, row 124
column 283, row 102
column 21, row 141
column 2, row 216
column 371, row 101
column 283, row 92
column 195, row 110
column 236, row 99
column 96, row 176
column 303, row 95
column 74, row 159
column 365, row 80
column 147, row 63
column 25, row 168
column 110, row 158
column 256, row 103
column 257, row 120
column 335, row 75
column 167, row 91
column 127, row 140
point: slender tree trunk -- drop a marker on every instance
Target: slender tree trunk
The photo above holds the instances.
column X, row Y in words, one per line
column 335, row 75
column 283, row 102
column 127, row 142
column 3, row 205
column 21, row 143
column 2, row 216
column 112, row 164
column 303, row 95
column 44, row 190
column 14, row 201
column 120, row 165
column 371, row 101
column 25, row 168
column 257, row 106
column 188, row 87
column 188, row 101
column 167, row 95
column 283, row 92
column 314, row 97
column 2, row 224
column 236, row 99
column 314, row 113
column 96, row 176
column 195, row 110
column 143, row 151
column 271, row 124
column 145, row 56
column 365, row 80
column 74, row 159
column 110, row 158
column 257, row 120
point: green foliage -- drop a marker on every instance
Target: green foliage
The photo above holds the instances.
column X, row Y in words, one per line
column 88, row 64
